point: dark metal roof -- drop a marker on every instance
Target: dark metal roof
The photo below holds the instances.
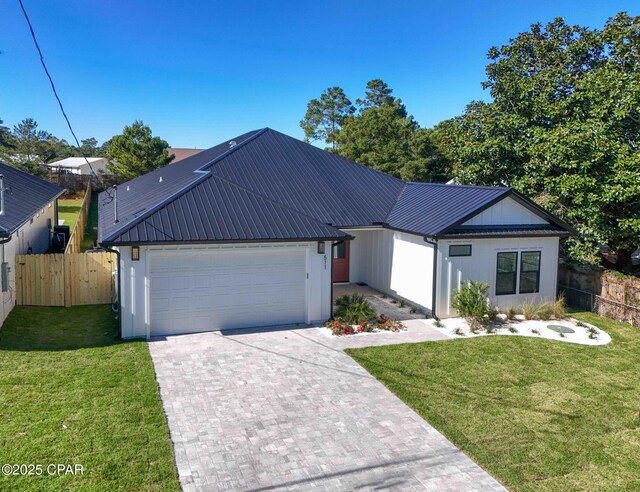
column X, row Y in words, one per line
column 320, row 184
column 24, row 196
column 227, row 213
column 515, row 230
column 429, row 209
column 267, row 185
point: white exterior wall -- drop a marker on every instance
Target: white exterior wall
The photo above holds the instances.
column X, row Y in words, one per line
column 481, row 267
column 506, row 212
column 396, row 263
column 135, row 309
column 35, row 235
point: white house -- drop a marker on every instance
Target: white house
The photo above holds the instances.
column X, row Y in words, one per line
column 80, row 165
column 28, row 214
column 254, row 232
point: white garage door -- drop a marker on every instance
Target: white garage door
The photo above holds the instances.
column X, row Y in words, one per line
column 225, row 289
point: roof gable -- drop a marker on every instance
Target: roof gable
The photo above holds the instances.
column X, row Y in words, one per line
column 429, row 209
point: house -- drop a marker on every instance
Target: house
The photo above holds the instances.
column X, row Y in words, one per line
column 28, row 214
column 79, row 165
column 254, row 231
column 181, row 153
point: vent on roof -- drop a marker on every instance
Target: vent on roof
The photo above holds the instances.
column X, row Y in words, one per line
column 1, row 194
column 232, row 144
column 160, row 180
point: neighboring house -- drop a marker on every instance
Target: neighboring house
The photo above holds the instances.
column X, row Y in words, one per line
column 252, row 232
column 27, row 216
column 180, row 153
column 79, row 165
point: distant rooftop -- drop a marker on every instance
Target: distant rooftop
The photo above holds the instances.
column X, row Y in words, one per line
column 182, row 153
column 75, row 162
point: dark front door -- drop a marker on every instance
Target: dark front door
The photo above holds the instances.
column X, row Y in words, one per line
column 341, row 262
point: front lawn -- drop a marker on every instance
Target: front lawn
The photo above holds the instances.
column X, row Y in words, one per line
column 537, row 414
column 72, row 394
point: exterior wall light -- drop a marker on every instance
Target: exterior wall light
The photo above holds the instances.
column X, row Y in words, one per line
column 320, row 247
column 135, row 253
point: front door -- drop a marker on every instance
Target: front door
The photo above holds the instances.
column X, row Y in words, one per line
column 341, row 262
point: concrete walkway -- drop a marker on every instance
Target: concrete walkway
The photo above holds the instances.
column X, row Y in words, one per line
column 287, row 409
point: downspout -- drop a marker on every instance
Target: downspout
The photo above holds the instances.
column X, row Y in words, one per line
column 434, row 243
column 119, row 299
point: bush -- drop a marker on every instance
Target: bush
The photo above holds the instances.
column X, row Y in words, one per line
column 388, row 324
column 559, row 310
column 354, row 309
column 471, row 301
column 339, row 327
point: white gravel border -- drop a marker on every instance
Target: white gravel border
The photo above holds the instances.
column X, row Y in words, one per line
column 524, row 329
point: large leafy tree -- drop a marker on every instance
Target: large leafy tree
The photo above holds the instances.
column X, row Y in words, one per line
column 563, row 128
column 325, row 116
column 136, row 151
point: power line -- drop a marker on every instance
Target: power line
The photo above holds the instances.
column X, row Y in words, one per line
column 55, row 92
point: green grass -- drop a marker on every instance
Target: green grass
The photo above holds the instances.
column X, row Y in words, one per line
column 69, row 210
column 71, row 393
column 540, row 415
column 92, row 221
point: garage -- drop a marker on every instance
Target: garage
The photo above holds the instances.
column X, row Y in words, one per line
column 226, row 288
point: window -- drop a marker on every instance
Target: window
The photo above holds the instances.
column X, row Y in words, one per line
column 460, row 250
column 340, row 251
column 506, row 273
column 529, row 272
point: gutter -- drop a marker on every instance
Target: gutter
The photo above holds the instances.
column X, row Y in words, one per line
column 434, row 243
column 118, row 301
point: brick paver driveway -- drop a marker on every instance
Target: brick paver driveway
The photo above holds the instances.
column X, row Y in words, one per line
column 288, row 409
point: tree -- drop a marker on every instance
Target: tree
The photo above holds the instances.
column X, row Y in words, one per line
column 325, row 116
column 89, row 147
column 378, row 94
column 26, row 147
column 4, row 135
column 136, row 151
column 383, row 136
column 564, row 129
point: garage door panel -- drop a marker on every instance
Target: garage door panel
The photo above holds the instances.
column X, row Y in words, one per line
column 227, row 289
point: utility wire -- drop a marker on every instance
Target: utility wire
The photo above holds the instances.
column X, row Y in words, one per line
column 55, row 93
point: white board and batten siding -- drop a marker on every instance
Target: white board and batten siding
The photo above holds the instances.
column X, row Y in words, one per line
column 216, row 287
column 393, row 262
column 506, row 212
column 481, row 266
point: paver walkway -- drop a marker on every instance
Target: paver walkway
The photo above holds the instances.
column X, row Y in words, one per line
column 288, row 409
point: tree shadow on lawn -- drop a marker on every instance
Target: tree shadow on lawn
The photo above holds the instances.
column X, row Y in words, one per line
column 50, row 329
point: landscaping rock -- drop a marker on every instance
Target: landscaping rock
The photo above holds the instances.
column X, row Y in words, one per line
column 502, row 318
column 519, row 317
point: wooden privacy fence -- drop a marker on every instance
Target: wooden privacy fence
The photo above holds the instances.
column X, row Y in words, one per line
column 77, row 235
column 65, row 279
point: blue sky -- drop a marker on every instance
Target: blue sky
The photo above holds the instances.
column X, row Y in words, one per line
column 202, row 72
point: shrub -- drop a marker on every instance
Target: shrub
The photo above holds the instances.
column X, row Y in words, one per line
column 365, row 327
column 402, row 303
column 535, row 330
column 545, row 311
column 438, row 323
column 530, row 309
column 513, row 329
column 354, row 309
column 511, row 312
column 593, row 333
column 388, row 324
column 340, row 327
column 559, row 306
column 458, row 331
column 471, row 300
